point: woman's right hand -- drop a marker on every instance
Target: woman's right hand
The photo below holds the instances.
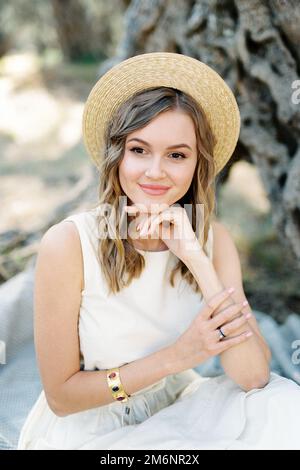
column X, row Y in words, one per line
column 202, row 339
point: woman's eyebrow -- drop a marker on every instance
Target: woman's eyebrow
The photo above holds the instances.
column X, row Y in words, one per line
column 171, row 146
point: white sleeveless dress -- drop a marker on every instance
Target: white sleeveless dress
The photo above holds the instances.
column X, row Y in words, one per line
column 181, row 411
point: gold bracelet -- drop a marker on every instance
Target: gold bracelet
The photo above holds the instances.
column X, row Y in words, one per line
column 115, row 384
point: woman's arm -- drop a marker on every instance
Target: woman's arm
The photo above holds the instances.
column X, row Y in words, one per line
column 57, row 299
column 89, row 389
column 246, row 363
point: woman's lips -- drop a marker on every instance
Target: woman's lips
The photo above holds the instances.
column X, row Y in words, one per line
column 153, row 192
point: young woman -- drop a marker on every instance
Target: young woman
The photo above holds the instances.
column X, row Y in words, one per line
column 132, row 295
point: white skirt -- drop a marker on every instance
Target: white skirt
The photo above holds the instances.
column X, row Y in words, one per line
column 182, row 411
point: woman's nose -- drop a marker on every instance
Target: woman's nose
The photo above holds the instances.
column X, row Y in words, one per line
column 155, row 170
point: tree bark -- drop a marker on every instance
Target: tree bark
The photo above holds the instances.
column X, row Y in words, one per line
column 75, row 35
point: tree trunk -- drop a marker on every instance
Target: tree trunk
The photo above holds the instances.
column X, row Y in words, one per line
column 74, row 33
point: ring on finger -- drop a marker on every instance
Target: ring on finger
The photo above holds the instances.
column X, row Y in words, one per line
column 221, row 333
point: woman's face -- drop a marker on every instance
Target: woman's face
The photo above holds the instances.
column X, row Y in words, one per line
column 153, row 162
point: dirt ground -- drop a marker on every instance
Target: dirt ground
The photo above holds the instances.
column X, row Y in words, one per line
column 42, row 157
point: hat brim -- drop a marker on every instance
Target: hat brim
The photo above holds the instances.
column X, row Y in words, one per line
column 168, row 69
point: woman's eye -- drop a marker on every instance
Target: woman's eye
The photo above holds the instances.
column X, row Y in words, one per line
column 135, row 148
column 182, row 156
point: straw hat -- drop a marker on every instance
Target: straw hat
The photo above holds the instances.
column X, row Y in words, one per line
column 162, row 69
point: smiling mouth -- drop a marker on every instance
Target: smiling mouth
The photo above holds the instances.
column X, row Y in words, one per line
column 154, row 191
column 154, row 186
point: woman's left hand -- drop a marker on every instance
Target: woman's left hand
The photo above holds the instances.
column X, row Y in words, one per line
column 171, row 225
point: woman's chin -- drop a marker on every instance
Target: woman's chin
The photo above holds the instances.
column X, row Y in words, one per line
column 150, row 204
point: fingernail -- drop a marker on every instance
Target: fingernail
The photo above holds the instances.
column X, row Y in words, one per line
column 230, row 290
column 248, row 315
column 249, row 333
column 245, row 302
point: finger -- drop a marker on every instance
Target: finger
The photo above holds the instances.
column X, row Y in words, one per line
column 154, row 208
column 154, row 221
column 147, row 225
column 224, row 344
column 130, row 209
column 226, row 330
column 141, row 220
column 134, row 210
column 234, row 325
column 211, row 304
column 134, row 224
column 226, row 315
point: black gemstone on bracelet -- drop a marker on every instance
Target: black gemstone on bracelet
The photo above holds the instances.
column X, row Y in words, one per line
column 115, row 388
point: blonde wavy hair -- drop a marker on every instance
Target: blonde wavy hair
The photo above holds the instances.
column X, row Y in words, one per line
column 120, row 261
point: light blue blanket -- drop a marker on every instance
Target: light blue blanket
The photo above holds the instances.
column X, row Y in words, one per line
column 20, row 383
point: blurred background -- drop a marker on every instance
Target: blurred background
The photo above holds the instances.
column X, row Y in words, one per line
column 51, row 54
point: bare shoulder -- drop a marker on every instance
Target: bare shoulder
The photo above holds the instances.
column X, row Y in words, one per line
column 62, row 240
column 219, row 228
column 65, row 228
